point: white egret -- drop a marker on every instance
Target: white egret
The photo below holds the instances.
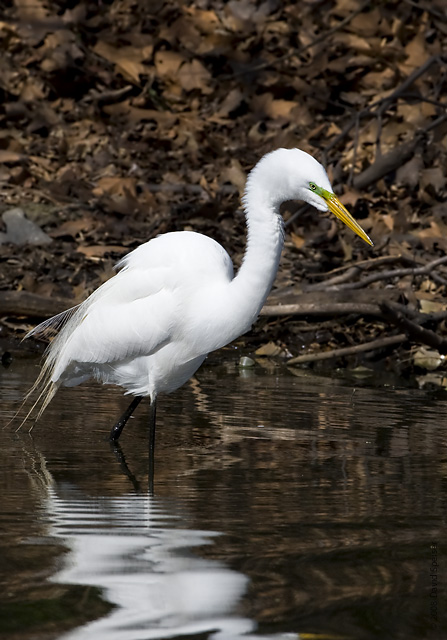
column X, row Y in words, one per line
column 175, row 298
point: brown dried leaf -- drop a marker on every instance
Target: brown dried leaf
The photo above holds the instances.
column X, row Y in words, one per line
column 409, row 172
column 389, row 221
column 31, row 9
column 167, row 63
column 272, row 108
column 431, row 306
column 235, row 174
column 128, row 60
column 99, row 251
column 416, row 53
column 369, row 23
column 116, row 186
column 193, row 75
column 435, row 235
column 297, row 240
column 11, row 157
column 73, row 227
column 432, row 178
column 268, row 350
column 231, row 102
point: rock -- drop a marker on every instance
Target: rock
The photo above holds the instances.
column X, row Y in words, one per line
column 20, row 230
column 246, row 362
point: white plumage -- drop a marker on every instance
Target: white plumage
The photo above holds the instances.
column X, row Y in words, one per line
column 175, row 298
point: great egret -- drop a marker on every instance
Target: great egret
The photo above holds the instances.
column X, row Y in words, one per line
column 175, row 299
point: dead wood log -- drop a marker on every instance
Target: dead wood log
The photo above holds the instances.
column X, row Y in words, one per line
column 322, row 310
column 373, row 345
column 31, row 305
column 385, row 164
column 328, row 303
column 396, row 314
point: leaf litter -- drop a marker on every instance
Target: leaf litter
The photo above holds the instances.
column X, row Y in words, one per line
column 129, row 119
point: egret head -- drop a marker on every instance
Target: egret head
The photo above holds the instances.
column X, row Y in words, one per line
column 292, row 174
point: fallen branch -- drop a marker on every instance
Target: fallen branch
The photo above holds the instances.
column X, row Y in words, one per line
column 111, row 96
column 394, row 313
column 381, row 343
column 386, row 275
column 394, row 159
column 341, row 278
column 315, row 309
column 385, row 164
column 364, row 265
column 23, row 303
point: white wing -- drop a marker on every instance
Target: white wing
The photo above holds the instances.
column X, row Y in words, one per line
column 141, row 309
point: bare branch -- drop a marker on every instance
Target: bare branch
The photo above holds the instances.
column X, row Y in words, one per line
column 381, row 343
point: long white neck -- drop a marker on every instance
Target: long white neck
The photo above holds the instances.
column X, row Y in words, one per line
column 265, row 240
column 229, row 308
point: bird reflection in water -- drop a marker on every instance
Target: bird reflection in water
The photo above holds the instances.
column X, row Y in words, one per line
column 137, row 550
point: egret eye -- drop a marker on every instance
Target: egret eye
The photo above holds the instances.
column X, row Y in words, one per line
column 312, row 186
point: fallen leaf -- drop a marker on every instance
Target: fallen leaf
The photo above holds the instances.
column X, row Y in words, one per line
column 432, row 380
column 99, row 251
column 431, row 306
column 389, row 221
column 73, row 227
column 128, row 60
column 116, row 185
column 429, row 359
column 193, row 75
column 434, row 178
column 230, row 103
column 298, row 241
column 269, row 350
column 167, row 63
column 11, row 157
column 410, row 172
column 235, row 174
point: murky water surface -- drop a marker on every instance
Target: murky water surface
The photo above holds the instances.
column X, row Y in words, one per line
column 284, row 505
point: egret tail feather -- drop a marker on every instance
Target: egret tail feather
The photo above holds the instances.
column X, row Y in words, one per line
column 48, row 390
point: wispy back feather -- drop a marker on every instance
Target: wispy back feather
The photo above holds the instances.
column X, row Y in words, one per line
column 57, row 328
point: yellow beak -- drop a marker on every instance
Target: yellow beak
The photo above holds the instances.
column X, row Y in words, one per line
column 336, row 207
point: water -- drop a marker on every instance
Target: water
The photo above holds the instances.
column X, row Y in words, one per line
column 285, row 506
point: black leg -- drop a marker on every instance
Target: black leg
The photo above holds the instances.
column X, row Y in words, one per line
column 119, row 426
column 152, row 412
column 116, row 448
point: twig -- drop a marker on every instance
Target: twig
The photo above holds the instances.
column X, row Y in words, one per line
column 111, row 96
column 393, row 273
column 296, row 215
column 381, row 343
column 384, row 103
column 351, row 272
column 377, row 109
column 366, row 264
column 424, row 6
